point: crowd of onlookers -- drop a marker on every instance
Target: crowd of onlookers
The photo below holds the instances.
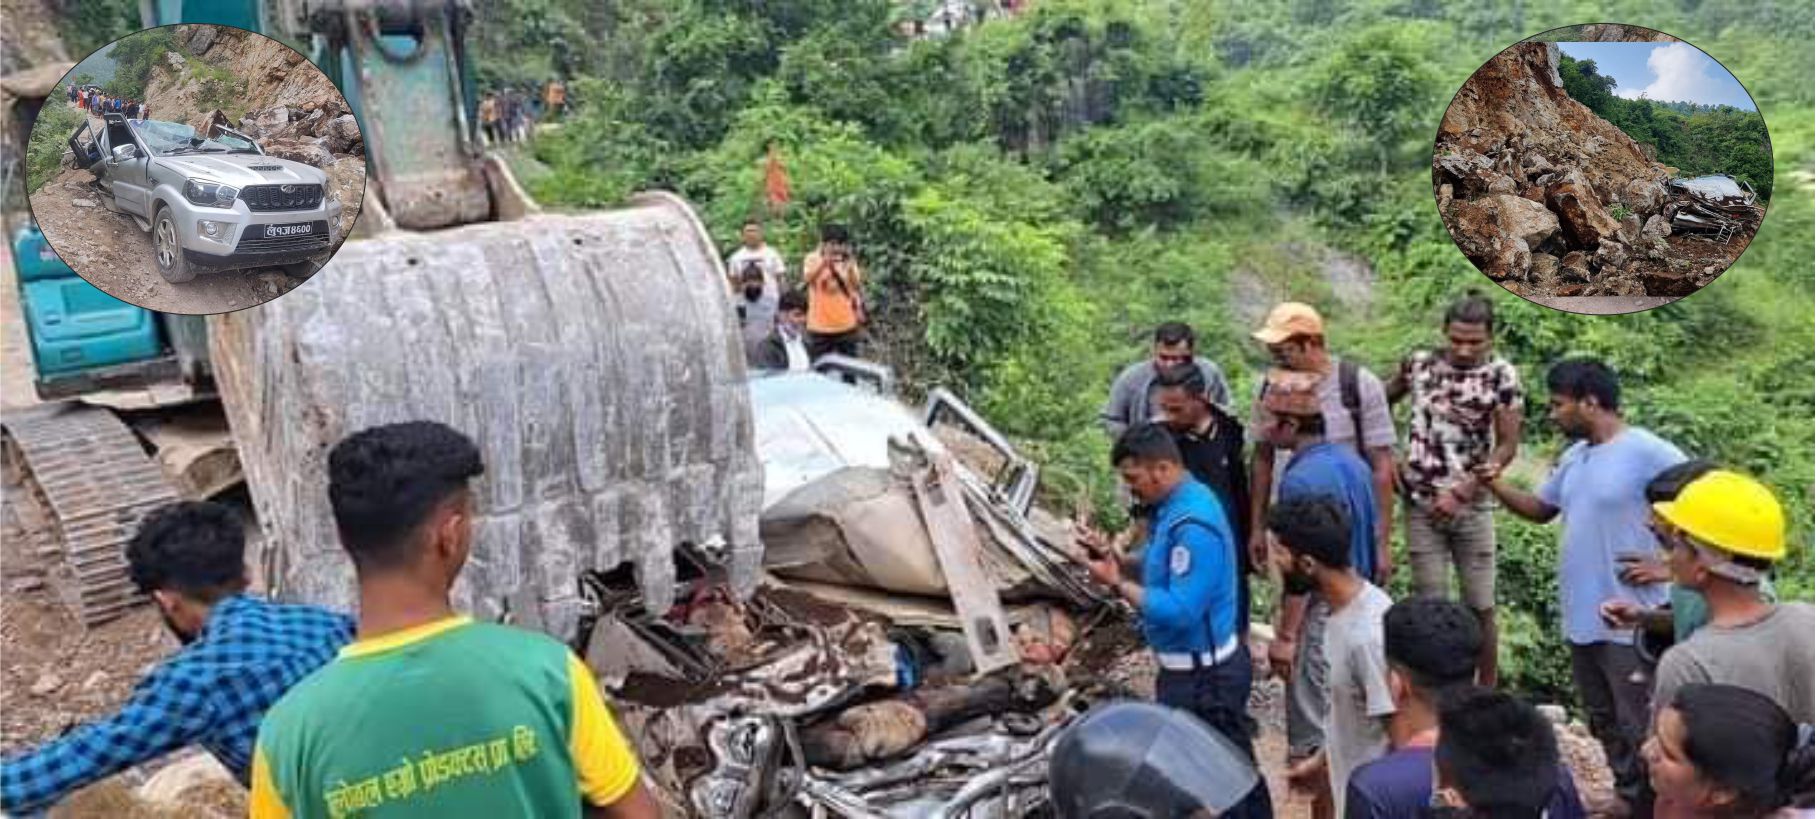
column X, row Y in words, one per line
column 94, row 101
column 509, row 114
column 1693, row 680
column 789, row 321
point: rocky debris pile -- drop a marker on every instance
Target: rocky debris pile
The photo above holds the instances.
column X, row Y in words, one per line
column 1549, row 199
column 318, row 132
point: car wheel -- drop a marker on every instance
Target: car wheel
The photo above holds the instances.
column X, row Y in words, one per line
column 168, row 251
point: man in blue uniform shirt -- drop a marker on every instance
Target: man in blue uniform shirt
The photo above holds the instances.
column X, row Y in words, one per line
column 1187, row 596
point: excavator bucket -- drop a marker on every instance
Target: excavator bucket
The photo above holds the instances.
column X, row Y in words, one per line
column 592, row 357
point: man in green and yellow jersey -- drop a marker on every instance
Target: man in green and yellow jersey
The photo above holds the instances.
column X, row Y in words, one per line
column 428, row 713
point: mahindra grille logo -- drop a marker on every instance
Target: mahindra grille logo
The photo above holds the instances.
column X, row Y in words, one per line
column 287, row 188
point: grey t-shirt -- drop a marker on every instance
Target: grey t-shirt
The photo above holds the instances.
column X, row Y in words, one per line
column 1773, row 657
column 1131, row 399
column 1355, row 729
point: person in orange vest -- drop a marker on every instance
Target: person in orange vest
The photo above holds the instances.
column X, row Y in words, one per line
column 554, row 97
column 835, row 295
column 488, row 118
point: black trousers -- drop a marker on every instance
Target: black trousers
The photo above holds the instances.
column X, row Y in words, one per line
column 1219, row 695
column 1619, row 713
column 845, row 344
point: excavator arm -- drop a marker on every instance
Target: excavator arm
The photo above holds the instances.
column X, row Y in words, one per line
column 403, row 68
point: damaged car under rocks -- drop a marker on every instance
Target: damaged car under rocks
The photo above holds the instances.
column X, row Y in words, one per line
column 920, row 633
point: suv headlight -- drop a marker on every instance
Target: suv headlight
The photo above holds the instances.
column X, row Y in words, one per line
column 210, row 193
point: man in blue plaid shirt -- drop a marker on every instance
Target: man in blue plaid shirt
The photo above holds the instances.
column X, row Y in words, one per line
column 240, row 654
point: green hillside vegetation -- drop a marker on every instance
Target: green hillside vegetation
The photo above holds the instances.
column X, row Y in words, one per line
column 45, row 151
column 134, row 58
column 1033, row 196
column 1695, row 139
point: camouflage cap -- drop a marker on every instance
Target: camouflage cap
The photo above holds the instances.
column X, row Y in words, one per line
column 1292, row 392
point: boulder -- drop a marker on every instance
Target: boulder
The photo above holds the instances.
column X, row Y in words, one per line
column 1585, row 221
column 1574, row 266
column 342, row 133
column 304, row 151
column 1656, row 228
column 1544, row 267
column 1643, row 196
column 201, row 38
column 1630, row 229
column 1668, row 283
column 1610, row 254
column 1473, row 174
column 1480, row 229
column 1536, row 164
column 1459, row 164
column 1551, row 64
column 1619, row 285
column 1522, row 218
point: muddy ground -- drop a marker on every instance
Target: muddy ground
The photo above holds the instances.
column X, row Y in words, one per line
column 57, row 674
column 110, row 250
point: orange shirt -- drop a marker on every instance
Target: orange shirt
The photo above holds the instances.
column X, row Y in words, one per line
column 830, row 308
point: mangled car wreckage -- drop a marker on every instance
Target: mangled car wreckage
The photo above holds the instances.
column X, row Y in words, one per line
column 1716, row 207
column 907, row 650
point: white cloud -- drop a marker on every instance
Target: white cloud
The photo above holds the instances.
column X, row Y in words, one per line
column 1681, row 73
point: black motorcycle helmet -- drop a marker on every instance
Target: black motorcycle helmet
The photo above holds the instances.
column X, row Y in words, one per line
column 1138, row 760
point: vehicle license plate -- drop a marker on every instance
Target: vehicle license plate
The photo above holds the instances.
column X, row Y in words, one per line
column 274, row 231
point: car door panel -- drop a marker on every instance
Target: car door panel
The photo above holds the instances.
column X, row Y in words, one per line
column 85, row 144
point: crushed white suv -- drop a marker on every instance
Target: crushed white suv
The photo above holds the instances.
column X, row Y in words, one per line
column 211, row 203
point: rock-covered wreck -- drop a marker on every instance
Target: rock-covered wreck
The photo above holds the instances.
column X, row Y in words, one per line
column 919, row 634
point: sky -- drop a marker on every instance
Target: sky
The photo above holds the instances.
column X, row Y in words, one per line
column 1666, row 72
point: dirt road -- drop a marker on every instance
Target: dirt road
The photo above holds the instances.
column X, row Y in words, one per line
column 112, row 253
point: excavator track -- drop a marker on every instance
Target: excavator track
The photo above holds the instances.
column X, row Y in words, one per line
column 92, row 482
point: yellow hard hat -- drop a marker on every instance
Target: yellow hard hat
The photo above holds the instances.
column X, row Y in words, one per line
column 1730, row 512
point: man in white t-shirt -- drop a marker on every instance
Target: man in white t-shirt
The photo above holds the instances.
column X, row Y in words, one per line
column 1314, row 531
column 754, row 249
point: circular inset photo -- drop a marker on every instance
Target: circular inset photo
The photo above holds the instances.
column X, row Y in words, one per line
column 1602, row 169
column 194, row 169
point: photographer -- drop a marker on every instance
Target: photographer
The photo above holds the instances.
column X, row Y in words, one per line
column 835, row 295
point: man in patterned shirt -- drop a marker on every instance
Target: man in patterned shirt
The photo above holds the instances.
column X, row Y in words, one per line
column 1466, row 406
column 240, row 654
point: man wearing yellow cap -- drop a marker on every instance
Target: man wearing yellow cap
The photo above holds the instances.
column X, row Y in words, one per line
column 1724, row 532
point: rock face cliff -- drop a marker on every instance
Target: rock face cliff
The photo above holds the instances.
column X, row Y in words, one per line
column 285, row 102
column 1549, row 199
